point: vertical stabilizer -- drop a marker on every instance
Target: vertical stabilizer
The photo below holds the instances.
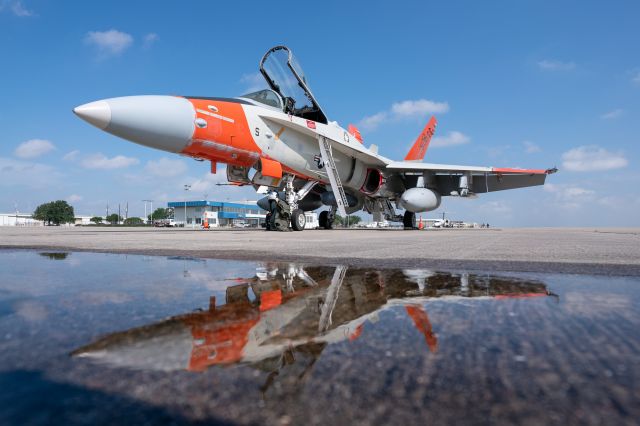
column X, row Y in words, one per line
column 419, row 148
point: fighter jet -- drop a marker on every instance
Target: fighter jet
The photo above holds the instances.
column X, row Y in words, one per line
column 281, row 139
column 287, row 309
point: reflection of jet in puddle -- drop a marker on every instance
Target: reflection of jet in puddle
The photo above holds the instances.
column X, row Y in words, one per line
column 288, row 314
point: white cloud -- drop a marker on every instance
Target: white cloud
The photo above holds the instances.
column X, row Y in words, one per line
column 636, row 78
column 530, row 147
column 570, row 196
column 451, row 139
column 73, row 198
column 166, row 167
column 253, row 82
column 16, row 7
column 102, row 162
column 18, row 173
column 208, row 182
column 19, row 9
column 71, row 155
column 373, row 121
column 34, row 148
column 554, row 65
column 404, row 110
column 109, row 43
column 612, row 114
column 592, row 158
column 419, row 107
column 149, row 40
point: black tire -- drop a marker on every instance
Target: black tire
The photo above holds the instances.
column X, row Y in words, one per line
column 298, row 220
column 324, row 220
column 267, row 222
column 409, row 220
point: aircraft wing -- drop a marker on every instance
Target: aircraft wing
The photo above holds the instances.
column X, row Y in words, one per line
column 483, row 179
column 357, row 150
column 410, row 166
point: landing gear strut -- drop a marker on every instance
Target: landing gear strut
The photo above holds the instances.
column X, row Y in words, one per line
column 409, row 220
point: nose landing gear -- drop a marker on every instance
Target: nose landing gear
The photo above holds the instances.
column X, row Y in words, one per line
column 298, row 220
column 286, row 212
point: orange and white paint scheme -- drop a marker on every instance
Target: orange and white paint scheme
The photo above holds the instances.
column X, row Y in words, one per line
column 287, row 314
column 281, row 138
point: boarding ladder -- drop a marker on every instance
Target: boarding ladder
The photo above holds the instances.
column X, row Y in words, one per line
column 332, row 172
column 331, row 298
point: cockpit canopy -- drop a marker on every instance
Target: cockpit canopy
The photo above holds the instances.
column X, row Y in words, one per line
column 285, row 76
column 266, row 97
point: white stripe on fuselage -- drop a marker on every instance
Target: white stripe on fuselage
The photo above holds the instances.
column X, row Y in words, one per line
column 214, row 115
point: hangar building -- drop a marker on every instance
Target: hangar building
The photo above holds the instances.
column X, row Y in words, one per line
column 228, row 214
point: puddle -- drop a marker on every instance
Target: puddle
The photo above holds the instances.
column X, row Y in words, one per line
column 103, row 338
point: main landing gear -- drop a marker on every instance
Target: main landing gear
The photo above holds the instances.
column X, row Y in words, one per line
column 326, row 218
column 409, row 220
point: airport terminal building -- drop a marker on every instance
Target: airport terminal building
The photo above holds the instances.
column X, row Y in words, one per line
column 219, row 214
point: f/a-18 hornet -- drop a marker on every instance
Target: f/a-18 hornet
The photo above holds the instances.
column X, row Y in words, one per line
column 280, row 139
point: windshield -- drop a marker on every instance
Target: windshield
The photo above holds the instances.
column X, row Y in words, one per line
column 267, row 97
column 284, row 75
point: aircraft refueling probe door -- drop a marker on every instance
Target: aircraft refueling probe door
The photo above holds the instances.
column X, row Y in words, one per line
column 284, row 75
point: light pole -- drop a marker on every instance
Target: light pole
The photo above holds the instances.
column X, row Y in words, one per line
column 186, row 188
column 145, row 211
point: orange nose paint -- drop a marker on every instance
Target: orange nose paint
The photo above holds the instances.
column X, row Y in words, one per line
column 222, row 134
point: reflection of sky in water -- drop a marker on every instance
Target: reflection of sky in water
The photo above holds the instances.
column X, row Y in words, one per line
column 400, row 340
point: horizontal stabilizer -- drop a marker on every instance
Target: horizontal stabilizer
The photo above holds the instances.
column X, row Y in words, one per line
column 419, row 148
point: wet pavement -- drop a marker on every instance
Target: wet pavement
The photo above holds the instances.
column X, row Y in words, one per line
column 93, row 338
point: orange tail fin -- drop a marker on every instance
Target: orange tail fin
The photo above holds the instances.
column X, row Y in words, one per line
column 355, row 132
column 419, row 148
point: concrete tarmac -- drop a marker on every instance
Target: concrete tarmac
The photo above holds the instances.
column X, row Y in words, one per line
column 609, row 251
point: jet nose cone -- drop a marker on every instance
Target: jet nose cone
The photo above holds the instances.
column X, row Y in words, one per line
column 161, row 122
column 97, row 113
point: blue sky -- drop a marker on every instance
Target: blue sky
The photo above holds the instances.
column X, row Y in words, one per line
column 525, row 84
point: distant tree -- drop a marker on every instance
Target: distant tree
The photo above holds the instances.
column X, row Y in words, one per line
column 40, row 213
column 341, row 221
column 96, row 219
column 160, row 213
column 55, row 212
column 132, row 221
column 113, row 218
column 354, row 220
